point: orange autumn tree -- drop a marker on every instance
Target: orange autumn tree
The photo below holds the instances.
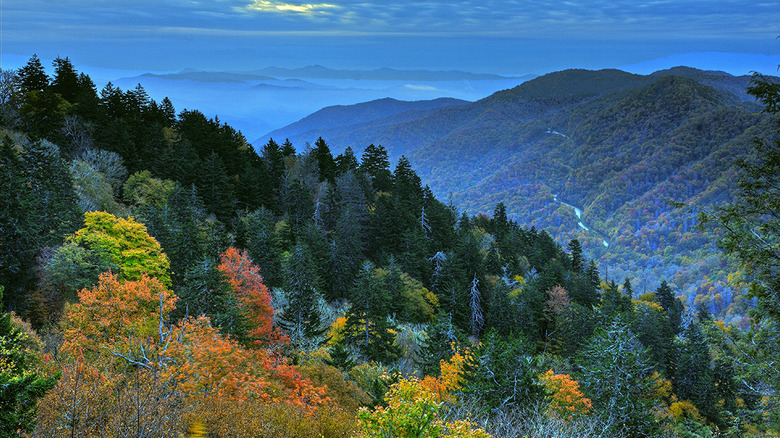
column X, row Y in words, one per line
column 205, row 363
column 450, row 380
column 566, row 399
column 117, row 316
column 253, row 296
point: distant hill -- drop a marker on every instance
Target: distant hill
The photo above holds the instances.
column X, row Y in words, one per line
column 601, row 156
column 331, row 121
column 382, row 74
column 210, row 76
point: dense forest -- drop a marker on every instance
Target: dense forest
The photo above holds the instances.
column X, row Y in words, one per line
column 162, row 277
column 605, row 157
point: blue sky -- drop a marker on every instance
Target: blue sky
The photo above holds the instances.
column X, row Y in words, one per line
column 515, row 37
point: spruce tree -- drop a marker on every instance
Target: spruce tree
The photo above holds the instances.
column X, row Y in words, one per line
column 367, row 326
column 301, row 316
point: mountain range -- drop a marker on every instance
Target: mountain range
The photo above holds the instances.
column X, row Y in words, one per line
column 603, row 156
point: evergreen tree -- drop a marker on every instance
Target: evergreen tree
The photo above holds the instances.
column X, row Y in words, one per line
column 500, row 374
column 367, row 325
column 325, row 162
column 442, row 341
column 215, row 188
column 66, row 81
column 257, row 231
column 376, row 165
column 32, row 77
column 207, row 291
column 346, row 161
column 694, row 379
column 616, row 374
column 346, row 255
column 575, row 254
column 628, row 290
column 301, row 316
column 673, row 306
column 38, row 210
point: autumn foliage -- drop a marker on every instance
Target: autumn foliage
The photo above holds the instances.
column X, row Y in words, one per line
column 253, row 296
column 566, row 399
column 204, row 363
column 115, row 314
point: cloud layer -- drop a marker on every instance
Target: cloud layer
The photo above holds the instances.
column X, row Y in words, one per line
column 347, row 28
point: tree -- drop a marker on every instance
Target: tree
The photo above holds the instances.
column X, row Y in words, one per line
column 301, row 317
column 575, row 252
column 20, row 385
column 206, row 290
column 617, row 377
column 37, row 209
column 65, row 81
column 117, row 315
column 32, row 77
column 252, row 295
column 367, row 326
column 499, row 373
column 124, row 243
column 376, row 165
column 325, row 161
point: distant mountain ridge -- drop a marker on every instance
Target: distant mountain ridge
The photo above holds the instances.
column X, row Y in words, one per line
column 619, row 147
column 318, row 71
column 321, row 72
column 330, row 121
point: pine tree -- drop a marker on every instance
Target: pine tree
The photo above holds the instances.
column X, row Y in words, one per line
column 346, row 161
column 66, row 80
column 694, row 379
column 367, row 326
column 325, row 162
column 616, row 375
column 301, row 317
column 32, row 77
column 575, row 254
column 376, row 165
column 499, row 373
column 628, row 290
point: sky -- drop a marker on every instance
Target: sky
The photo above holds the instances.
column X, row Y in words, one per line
column 483, row 36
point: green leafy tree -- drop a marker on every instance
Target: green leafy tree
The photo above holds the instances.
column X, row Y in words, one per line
column 124, row 243
column 20, row 385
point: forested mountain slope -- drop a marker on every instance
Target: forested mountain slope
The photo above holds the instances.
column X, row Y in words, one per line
column 621, row 148
column 175, row 282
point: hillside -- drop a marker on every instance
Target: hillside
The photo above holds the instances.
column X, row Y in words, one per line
column 618, row 148
column 332, row 120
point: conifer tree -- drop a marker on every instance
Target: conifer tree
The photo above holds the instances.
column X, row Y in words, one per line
column 616, row 375
column 376, row 165
column 367, row 326
column 325, row 162
column 499, row 373
column 301, row 316
column 575, row 254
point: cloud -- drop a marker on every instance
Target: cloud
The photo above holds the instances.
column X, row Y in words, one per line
column 283, row 7
column 420, row 87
